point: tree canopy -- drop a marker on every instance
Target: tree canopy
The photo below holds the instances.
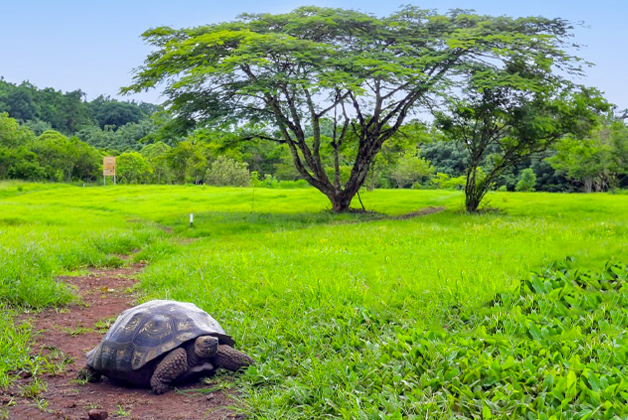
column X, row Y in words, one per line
column 277, row 77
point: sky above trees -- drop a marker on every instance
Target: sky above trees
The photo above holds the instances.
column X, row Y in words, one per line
column 94, row 46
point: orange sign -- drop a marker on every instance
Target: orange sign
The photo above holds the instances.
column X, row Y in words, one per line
column 109, row 166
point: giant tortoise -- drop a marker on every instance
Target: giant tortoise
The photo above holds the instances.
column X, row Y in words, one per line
column 160, row 343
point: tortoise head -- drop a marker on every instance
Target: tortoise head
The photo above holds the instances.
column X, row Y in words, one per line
column 206, row 346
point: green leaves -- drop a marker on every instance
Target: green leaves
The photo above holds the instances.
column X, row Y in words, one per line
column 554, row 347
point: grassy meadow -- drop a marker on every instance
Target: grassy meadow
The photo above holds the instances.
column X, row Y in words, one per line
column 324, row 302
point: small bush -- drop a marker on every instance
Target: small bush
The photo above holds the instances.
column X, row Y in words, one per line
column 269, row 181
column 443, row 181
column 457, row 183
column 410, row 169
column 527, row 181
column 132, row 168
column 227, row 172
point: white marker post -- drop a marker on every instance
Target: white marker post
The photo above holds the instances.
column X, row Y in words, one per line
column 191, row 220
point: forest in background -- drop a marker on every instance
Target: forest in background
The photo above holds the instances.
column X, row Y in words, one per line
column 48, row 135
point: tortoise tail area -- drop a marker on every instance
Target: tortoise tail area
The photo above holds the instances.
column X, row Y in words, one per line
column 231, row 359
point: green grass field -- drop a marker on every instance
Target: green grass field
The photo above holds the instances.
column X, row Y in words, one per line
column 318, row 299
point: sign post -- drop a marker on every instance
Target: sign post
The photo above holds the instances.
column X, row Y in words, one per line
column 109, row 169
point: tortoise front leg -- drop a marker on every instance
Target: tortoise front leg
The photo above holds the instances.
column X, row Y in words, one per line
column 231, row 359
column 170, row 368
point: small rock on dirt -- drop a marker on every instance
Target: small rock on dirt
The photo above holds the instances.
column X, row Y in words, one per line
column 96, row 414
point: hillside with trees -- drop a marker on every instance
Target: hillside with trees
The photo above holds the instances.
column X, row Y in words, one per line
column 103, row 122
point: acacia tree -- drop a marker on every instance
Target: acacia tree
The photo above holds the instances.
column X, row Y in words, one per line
column 505, row 117
column 367, row 74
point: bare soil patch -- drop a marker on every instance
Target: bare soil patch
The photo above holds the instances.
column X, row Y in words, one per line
column 422, row 212
column 376, row 217
column 67, row 333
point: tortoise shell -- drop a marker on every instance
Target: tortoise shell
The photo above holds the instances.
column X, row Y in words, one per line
column 145, row 332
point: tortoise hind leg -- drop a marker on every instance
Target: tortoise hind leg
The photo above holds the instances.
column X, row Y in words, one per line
column 88, row 374
column 231, row 359
column 170, row 368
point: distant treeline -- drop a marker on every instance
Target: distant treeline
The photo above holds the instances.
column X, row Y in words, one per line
column 96, row 122
column 49, row 135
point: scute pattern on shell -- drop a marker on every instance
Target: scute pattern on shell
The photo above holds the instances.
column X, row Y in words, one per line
column 145, row 332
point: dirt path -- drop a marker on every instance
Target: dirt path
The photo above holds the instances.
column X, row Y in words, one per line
column 66, row 334
column 421, row 212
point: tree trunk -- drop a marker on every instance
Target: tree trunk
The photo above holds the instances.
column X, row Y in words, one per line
column 471, row 202
column 340, row 202
column 588, row 184
column 341, row 198
column 471, row 199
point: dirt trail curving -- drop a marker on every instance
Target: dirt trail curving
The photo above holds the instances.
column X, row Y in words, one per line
column 67, row 333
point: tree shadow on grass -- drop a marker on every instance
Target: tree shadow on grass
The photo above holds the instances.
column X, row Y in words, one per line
column 236, row 223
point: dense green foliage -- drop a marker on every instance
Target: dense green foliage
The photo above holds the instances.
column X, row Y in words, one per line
column 129, row 137
column 51, row 156
column 54, row 157
column 417, row 157
column 45, row 108
column 554, row 347
column 527, row 181
column 225, row 171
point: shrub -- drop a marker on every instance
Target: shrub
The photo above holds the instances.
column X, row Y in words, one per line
column 269, row 181
column 411, row 169
column 225, row 171
column 132, row 168
column 527, row 181
column 443, row 181
column 457, row 183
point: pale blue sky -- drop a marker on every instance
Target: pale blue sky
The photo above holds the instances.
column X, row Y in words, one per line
column 93, row 45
